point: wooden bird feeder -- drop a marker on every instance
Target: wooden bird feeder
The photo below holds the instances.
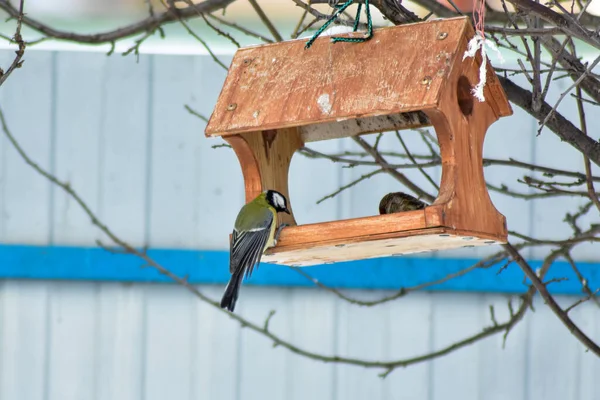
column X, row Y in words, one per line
column 277, row 97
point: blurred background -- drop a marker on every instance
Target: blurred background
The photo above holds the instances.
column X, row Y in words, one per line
column 87, row 16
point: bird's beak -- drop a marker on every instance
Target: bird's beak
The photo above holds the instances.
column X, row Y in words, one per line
column 287, row 211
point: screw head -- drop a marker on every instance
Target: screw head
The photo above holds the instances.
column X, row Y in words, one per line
column 231, row 107
column 426, row 80
column 442, row 35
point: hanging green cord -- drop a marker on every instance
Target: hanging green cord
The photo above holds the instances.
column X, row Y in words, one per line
column 328, row 22
column 357, row 18
column 369, row 27
column 341, row 9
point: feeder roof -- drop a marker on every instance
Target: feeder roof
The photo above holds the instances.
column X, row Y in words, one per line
column 400, row 71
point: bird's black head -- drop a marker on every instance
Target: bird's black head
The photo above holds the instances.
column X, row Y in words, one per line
column 277, row 201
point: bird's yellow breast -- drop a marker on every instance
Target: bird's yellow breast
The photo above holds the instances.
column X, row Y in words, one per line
column 272, row 230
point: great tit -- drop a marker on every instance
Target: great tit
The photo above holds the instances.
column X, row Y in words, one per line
column 254, row 232
column 399, row 202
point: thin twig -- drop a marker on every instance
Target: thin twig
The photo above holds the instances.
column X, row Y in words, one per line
column 586, row 161
column 484, row 263
column 177, row 13
column 147, row 24
column 559, row 312
column 582, row 300
column 204, row 44
column 195, row 113
column 296, row 31
column 220, row 32
column 241, row 28
column 17, row 62
column 425, row 174
column 563, row 94
column 392, row 171
column 265, row 20
column 349, row 185
column 584, row 282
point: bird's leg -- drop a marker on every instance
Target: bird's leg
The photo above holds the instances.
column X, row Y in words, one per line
column 279, row 229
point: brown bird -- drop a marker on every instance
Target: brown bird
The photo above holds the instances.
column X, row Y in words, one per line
column 399, row 202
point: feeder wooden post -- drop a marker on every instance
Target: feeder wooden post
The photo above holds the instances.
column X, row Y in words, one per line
column 276, row 97
column 461, row 123
column 265, row 158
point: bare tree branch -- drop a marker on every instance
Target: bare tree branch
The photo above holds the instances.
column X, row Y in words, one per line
column 148, row 24
column 561, row 126
column 563, row 21
column 393, row 172
column 17, row 62
column 560, row 313
column 265, row 20
column 487, row 262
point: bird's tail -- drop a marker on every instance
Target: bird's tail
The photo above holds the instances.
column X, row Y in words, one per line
column 231, row 291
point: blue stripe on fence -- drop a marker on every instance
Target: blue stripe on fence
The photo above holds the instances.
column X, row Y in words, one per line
column 211, row 267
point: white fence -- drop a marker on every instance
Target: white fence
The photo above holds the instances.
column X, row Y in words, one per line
column 117, row 130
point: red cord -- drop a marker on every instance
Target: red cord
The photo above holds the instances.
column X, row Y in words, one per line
column 479, row 15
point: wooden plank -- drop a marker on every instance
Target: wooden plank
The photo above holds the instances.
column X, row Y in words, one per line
column 216, row 352
column 218, row 196
column 404, row 243
column 456, row 375
column 502, row 362
column 79, row 116
column 461, row 127
column 24, row 207
column 387, row 75
column 316, row 332
column 23, row 339
column 174, row 158
column 368, row 237
column 499, row 144
column 169, row 336
column 409, row 340
column 552, row 375
column 361, row 334
column 587, row 318
column 263, row 369
column 122, row 157
column 359, row 228
column 120, row 347
column 72, row 341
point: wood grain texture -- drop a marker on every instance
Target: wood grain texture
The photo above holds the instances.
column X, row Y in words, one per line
column 282, row 85
column 265, row 158
column 378, row 236
column 461, row 122
column 402, row 243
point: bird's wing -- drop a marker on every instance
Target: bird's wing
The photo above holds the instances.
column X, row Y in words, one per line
column 247, row 246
